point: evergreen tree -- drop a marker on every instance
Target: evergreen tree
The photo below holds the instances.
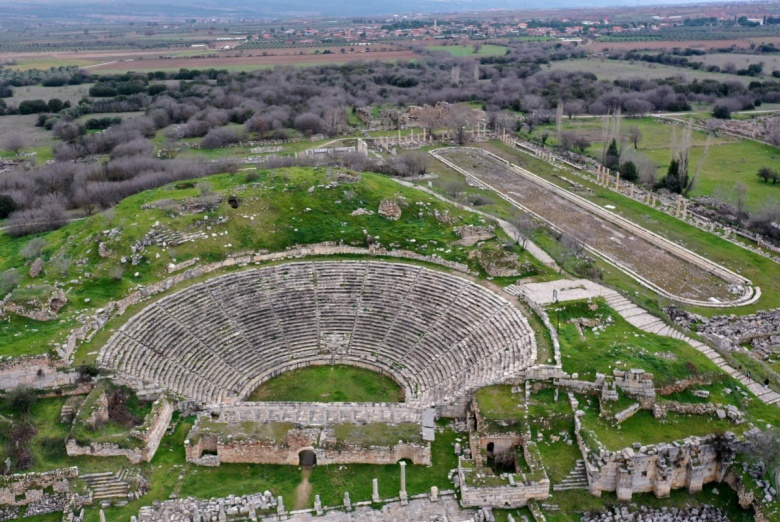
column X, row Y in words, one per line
column 674, row 181
column 628, row 171
column 612, row 158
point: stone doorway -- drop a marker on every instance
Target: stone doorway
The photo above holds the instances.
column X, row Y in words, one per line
column 307, row 459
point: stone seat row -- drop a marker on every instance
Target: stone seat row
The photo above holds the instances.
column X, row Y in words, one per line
column 424, row 327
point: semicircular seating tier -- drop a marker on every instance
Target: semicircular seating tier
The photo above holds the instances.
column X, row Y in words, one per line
column 438, row 335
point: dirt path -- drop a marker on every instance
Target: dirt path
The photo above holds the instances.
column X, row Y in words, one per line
column 303, row 491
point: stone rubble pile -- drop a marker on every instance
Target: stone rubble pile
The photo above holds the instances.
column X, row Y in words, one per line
column 9, row 513
column 705, row 513
column 758, row 472
column 761, row 330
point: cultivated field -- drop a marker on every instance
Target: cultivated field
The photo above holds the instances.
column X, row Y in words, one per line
column 741, row 61
column 249, row 61
column 611, row 70
column 71, row 93
column 468, row 50
column 743, row 43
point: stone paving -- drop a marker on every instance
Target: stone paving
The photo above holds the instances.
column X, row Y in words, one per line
column 570, row 290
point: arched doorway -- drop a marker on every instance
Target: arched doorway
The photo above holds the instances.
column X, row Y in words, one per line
column 307, row 458
column 490, row 449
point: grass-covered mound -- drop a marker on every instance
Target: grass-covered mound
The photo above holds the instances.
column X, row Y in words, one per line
column 109, row 255
column 329, row 383
column 614, row 344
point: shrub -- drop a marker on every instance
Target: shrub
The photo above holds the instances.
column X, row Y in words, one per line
column 628, row 171
column 21, row 399
column 721, row 112
column 9, row 280
column 7, row 206
column 33, row 249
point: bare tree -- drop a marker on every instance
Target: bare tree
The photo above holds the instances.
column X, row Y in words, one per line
column 33, row 249
column 573, row 107
column 505, row 121
column 14, row 143
column 581, row 142
column 634, row 135
column 567, row 140
column 773, row 132
column 740, row 198
column 333, row 120
column 59, row 265
column 522, row 229
column 9, row 280
column 460, row 118
column 454, row 187
column 559, row 121
column 309, row 123
column 220, row 137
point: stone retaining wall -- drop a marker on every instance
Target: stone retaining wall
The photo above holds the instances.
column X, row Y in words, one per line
column 23, row 489
column 38, row 372
column 316, row 413
column 150, row 434
column 504, row 496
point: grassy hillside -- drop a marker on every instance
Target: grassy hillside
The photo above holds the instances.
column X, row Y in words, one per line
column 275, row 210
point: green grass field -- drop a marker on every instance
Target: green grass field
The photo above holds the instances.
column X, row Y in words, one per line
column 329, row 383
column 728, row 160
column 621, row 346
column 470, row 51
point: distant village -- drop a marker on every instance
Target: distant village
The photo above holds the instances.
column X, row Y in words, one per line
column 366, row 32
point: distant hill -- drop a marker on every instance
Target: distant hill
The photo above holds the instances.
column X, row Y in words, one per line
column 284, row 8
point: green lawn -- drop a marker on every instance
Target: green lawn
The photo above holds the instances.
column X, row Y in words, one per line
column 643, row 428
column 554, row 418
column 329, row 383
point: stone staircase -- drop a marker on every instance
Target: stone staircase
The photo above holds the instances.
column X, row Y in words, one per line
column 576, row 479
column 108, row 485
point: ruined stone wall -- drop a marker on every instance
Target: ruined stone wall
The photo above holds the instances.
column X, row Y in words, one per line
column 27, row 488
column 103, row 449
column 316, row 413
column 506, row 496
column 266, row 452
column 155, row 425
column 38, row 372
column 150, row 433
column 657, row 469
